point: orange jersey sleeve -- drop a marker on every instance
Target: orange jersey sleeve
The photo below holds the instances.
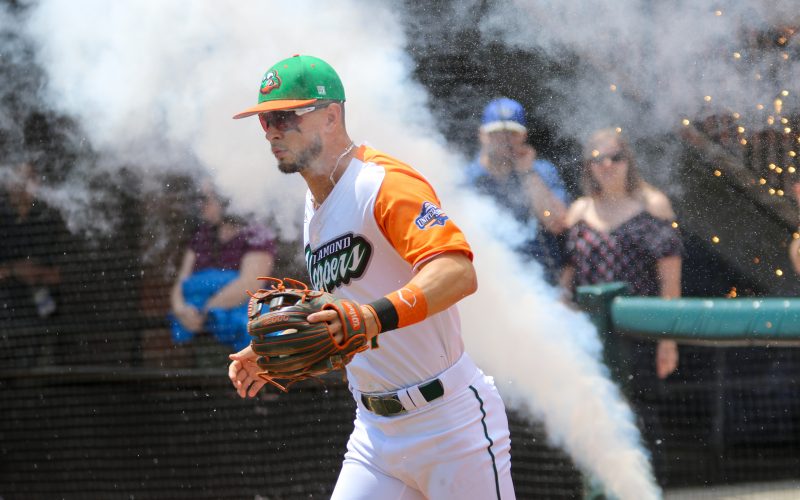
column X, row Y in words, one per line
column 409, row 213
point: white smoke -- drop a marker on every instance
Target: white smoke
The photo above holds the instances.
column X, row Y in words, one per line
column 544, row 357
column 155, row 84
column 665, row 60
column 647, row 66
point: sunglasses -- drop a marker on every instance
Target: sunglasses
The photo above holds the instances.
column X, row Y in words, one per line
column 285, row 120
column 613, row 157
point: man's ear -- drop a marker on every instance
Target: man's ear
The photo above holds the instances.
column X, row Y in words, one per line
column 334, row 114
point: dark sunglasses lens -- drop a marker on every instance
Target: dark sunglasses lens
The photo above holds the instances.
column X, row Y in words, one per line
column 616, row 157
column 280, row 120
column 597, row 159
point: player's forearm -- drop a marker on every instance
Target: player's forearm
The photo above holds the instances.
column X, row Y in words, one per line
column 445, row 280
column 439, row 284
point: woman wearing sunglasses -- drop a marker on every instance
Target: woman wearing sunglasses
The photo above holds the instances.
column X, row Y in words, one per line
column 622, row 230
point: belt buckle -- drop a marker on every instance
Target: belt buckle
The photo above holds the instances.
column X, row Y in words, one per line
column 383, row 405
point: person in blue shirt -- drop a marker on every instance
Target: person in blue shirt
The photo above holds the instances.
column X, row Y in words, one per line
column 530, row 188
column 224, row 258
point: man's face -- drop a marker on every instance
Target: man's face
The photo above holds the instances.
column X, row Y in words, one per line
column 295, row 139
column 503, row 146
column 294, row 159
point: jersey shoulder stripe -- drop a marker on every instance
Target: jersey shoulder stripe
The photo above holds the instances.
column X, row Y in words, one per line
column 408, row 212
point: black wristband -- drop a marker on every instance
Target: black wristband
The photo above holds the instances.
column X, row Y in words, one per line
column 386, row 313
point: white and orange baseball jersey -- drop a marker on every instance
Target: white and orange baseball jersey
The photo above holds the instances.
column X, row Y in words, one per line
column 429, row 423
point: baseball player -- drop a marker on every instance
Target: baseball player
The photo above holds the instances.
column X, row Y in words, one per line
column 429, row 423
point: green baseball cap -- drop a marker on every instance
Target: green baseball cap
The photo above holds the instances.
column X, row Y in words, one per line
column 296, row 82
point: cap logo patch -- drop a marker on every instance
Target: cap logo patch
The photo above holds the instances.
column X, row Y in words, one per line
column 321, row 89
column 430, row 216
column 505, row 112
column 270, row 82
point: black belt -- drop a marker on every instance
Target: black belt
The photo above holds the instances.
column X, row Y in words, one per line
column 387, row 405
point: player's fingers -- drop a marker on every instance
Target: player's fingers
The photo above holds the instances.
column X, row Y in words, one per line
column 244, row 354
column 250, row 386
column 242, row 375
column 244, row 386
column 255, row 387
column 332, row 323
column 234, row 370
column 319, row 316
column 335, row 331
column 241, row 391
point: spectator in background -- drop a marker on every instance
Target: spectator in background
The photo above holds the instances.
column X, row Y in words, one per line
column 794, row 246
column 507, row 169
column 29, row 274
column 224, row 258
column 621, row 230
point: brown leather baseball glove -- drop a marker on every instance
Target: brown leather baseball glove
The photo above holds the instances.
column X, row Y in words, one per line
column 291, row 348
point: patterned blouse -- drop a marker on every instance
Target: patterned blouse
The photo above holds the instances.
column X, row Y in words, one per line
column 629, row 253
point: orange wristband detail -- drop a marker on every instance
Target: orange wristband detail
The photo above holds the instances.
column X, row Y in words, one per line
column 410, row 304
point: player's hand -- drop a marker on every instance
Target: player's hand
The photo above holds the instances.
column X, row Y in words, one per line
column 332, row 319
column 243, row 372
column 666, row 358
column 335, row 325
